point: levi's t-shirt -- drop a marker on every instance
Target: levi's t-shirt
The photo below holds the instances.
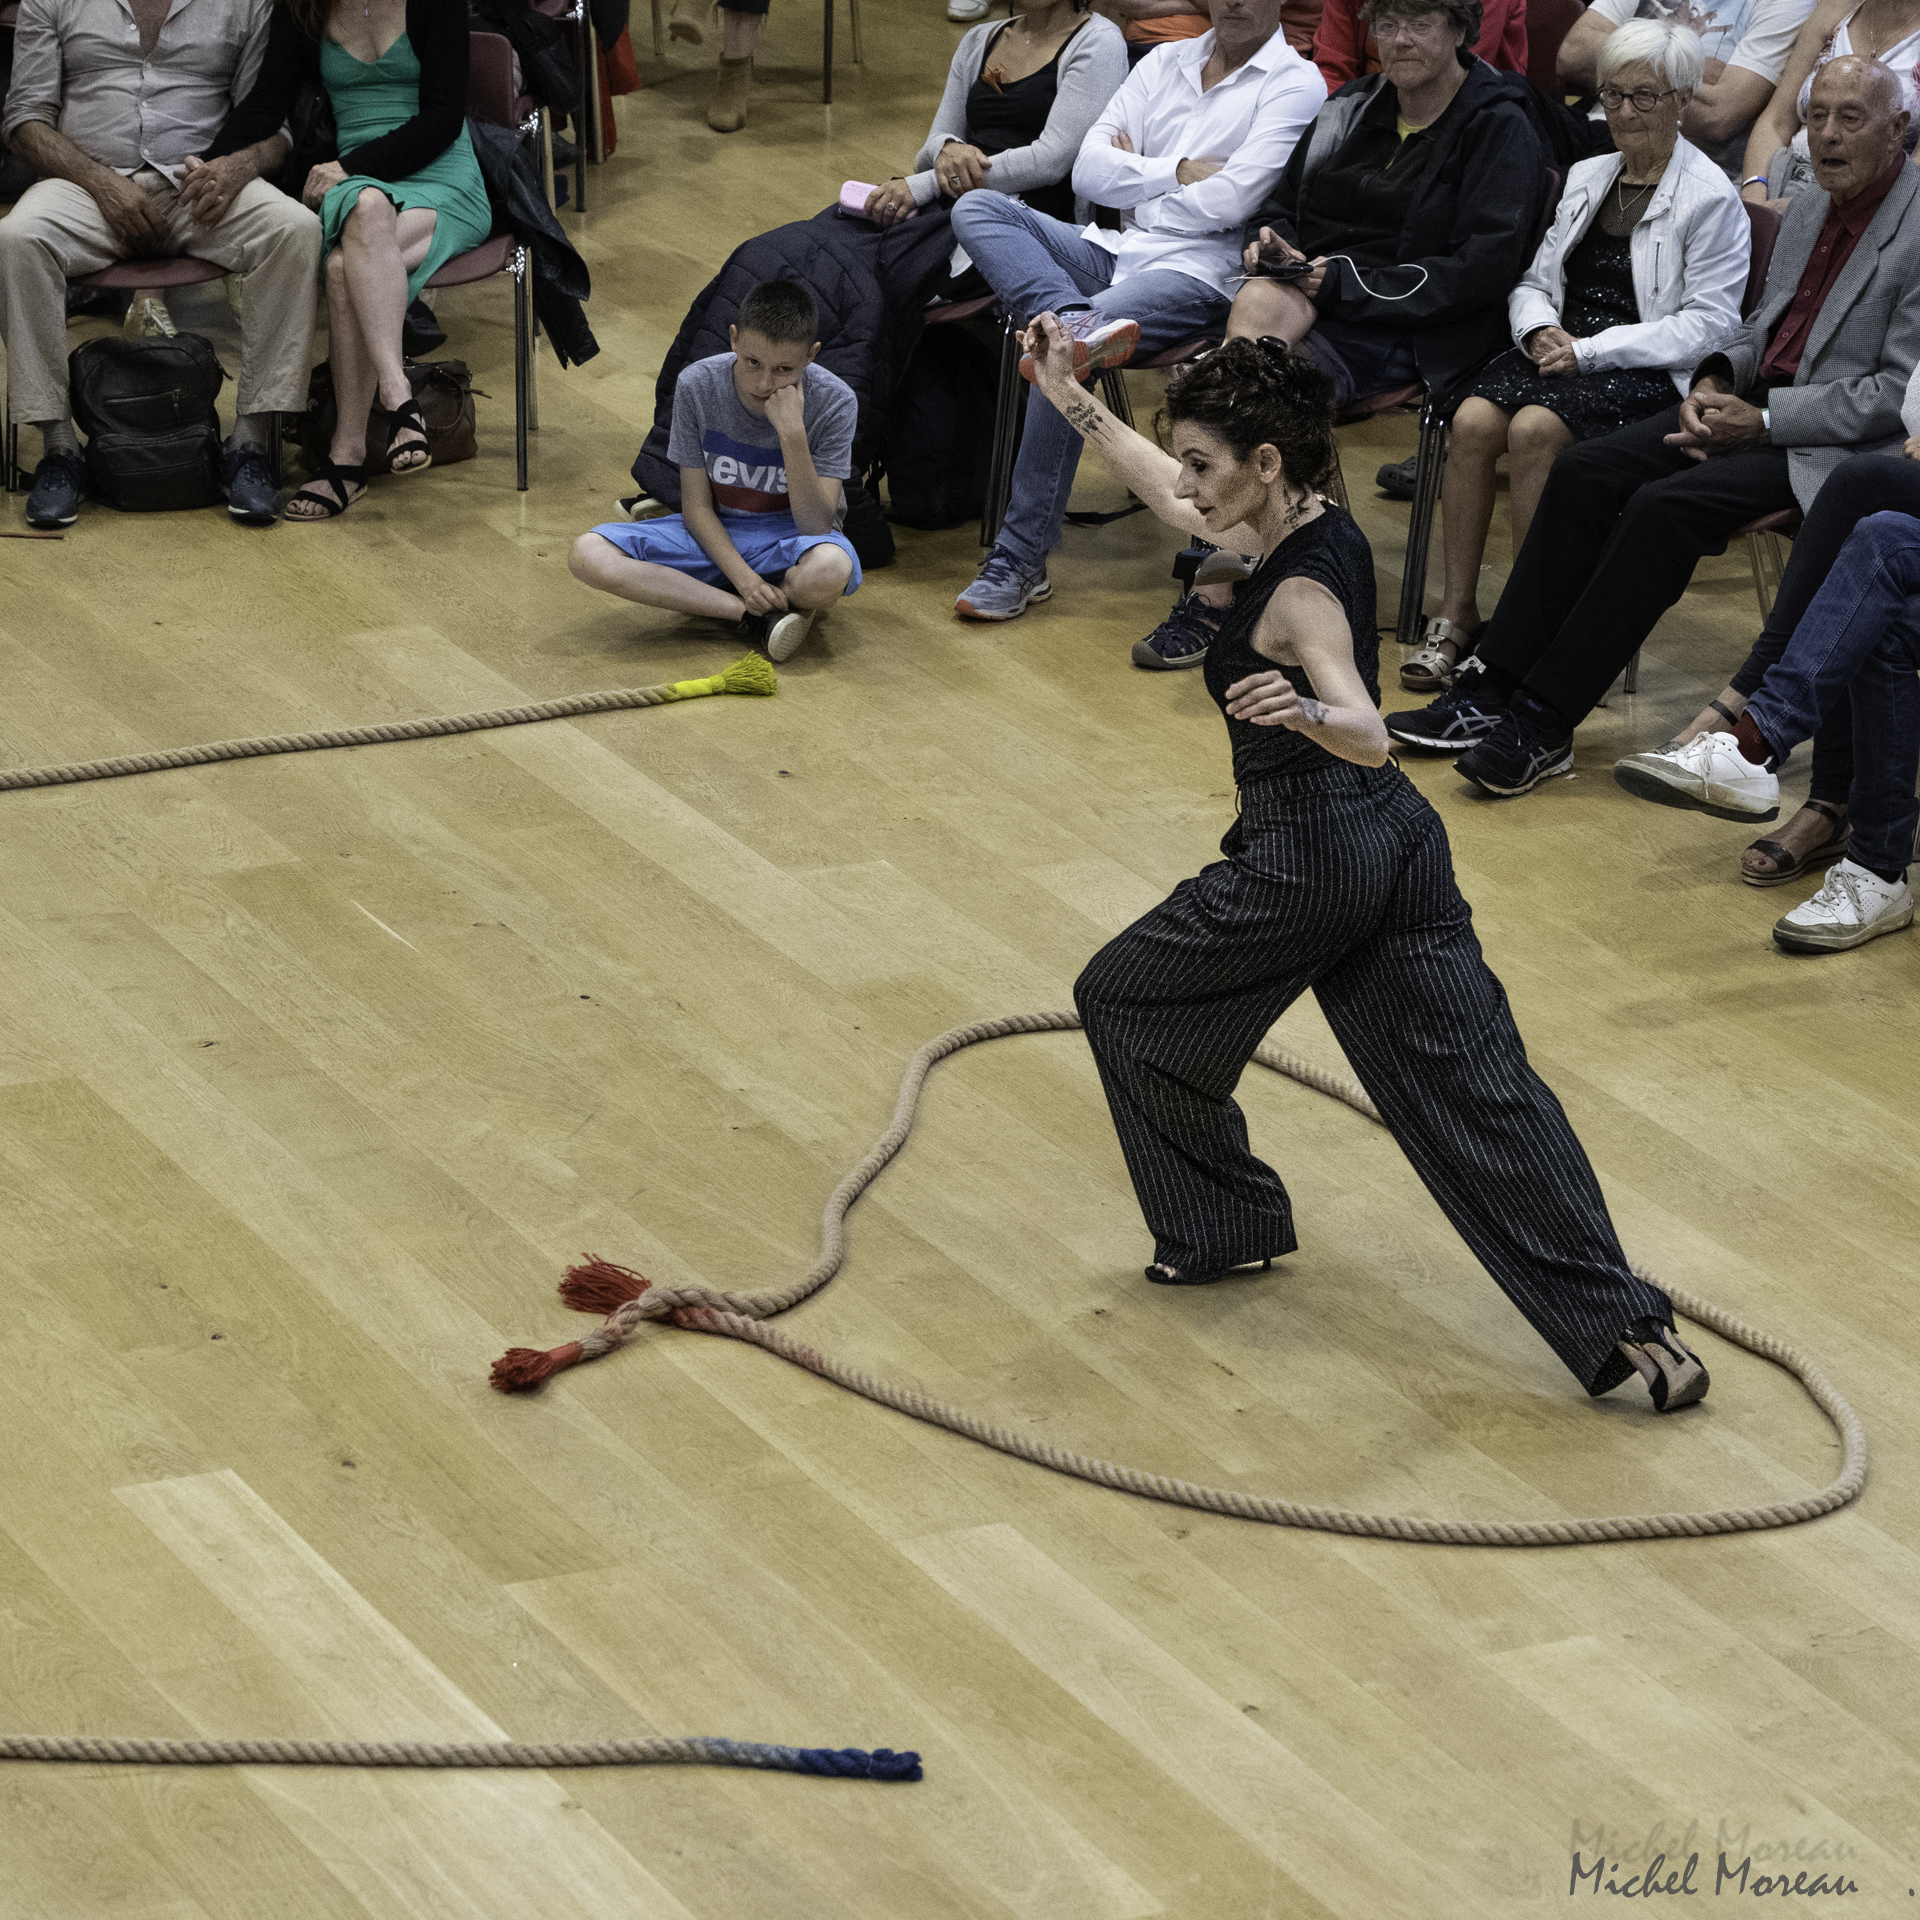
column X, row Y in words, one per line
column 740, row 451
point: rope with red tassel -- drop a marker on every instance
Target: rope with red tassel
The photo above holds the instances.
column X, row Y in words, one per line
column 627, row 1299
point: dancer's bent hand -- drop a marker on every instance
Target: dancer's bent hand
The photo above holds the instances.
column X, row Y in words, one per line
column 1272, row 700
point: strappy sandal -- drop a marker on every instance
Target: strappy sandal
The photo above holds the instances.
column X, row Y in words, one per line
column 1430, row 671
column 1789, row 866
column 1164, row 1276
column 408, row 419
column 334, row 505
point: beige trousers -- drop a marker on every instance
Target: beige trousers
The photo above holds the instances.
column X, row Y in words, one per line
column 56, row 232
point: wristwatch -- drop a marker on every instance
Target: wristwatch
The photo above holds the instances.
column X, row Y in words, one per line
column 1766, row 421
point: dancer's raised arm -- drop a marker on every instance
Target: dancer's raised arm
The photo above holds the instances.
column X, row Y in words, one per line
column 1147, row 469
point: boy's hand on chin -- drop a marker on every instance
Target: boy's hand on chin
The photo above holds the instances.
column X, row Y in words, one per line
column 786, row 410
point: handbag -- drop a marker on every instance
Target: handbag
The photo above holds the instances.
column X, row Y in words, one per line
column 445, row 391
column 147, row 409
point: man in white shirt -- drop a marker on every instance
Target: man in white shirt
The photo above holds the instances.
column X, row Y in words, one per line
column 1187, row 149
column 1747, row 44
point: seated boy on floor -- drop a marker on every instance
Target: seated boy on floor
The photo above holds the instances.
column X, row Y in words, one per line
column 763, row 438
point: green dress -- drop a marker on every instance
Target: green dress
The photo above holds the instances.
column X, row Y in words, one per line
column 372, row 99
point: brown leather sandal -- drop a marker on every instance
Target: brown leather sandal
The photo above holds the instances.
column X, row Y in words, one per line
column 1784, row 864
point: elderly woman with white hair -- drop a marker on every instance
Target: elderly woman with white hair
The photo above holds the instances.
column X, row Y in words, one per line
column 1638, row 280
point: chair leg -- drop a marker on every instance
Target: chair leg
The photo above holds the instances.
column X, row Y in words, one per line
column 1426, row 496
column 599, row 153
column 826, row 58
column 1768, row 563
column 659, row 33
column 1630, row 680
column 533, row 360
column 1113, row 390
column 1006, row 429
column 546, row 158
column 853, row 14
column 580, row 30
column 10, row 445
column 522, row 364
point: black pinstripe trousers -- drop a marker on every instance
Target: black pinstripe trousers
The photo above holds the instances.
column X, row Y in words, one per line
column 1340, row 879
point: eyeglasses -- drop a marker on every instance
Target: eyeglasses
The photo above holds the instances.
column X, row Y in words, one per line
column 1421, row 26
column 1642, row 99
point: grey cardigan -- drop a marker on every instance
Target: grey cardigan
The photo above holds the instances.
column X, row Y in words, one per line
column 1092, row 65
column 1847, row 394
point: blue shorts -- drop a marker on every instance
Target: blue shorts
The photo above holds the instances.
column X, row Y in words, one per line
column 768, row 542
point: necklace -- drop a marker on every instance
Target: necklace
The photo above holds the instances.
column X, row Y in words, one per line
column 1620, row 190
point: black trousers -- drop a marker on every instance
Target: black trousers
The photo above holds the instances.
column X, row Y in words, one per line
column 1621, row 525
column 1868, row 483
column 1341, row 880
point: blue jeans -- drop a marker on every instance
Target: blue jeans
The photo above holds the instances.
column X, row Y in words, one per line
column 1861, row 631
column 1037, row 265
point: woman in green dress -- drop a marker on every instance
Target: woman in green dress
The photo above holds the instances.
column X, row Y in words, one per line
column 404, row 197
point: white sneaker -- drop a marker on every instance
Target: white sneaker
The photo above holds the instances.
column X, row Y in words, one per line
column 965, row 12
column 1709, row 773
column 785, row 634
column 1854, row 906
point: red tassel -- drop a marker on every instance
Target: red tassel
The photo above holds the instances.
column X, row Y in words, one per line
column 598, row 1286
column 527, row 1366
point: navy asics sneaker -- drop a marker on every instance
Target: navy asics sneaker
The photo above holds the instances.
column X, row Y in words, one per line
column 1462, row 717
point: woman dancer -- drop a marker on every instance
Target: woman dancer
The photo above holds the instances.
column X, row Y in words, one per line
column 1338, row 878
column 403, row 198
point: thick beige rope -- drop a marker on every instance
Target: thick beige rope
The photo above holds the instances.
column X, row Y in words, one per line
column 751, row 675
column 742, row 1316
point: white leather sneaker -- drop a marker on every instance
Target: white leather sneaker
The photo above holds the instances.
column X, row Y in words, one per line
column 1709, row 773
column 1854, row 906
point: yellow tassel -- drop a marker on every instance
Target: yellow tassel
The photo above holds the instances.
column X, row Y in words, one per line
column 751, row 675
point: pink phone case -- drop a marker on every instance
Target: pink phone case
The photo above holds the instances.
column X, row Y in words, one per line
column 854, row 195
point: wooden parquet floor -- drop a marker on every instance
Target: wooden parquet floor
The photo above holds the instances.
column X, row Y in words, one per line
column 315, row 1072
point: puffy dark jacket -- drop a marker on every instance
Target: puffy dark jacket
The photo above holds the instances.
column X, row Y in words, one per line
column 871, row 283
column 560, row 281
column 1468, row 234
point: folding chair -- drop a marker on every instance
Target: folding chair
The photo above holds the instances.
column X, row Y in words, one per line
column 586, row 66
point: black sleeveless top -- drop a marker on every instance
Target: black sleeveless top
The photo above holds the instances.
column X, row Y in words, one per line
column 1001, row 118
column 1333, row 551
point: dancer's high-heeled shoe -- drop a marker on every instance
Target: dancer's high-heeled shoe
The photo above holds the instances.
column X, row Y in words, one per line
column 1164, row 1276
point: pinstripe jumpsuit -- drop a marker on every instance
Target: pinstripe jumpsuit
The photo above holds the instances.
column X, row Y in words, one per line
column 1338, row 878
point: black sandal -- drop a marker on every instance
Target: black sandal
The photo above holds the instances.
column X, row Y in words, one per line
column 1163, row 1276
column 408, row 419
column 1792, row 866
column 339, row 479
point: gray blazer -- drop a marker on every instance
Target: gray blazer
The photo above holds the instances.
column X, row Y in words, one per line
column 1846, row 396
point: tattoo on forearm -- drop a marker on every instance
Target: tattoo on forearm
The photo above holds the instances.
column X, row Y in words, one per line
column 1084, row 417
column 1315, row 710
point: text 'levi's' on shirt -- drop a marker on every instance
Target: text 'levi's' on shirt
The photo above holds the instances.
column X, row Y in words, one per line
column 740, row 452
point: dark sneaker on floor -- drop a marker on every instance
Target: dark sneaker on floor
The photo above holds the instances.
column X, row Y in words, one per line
column 1675, row 1378
column 1460, row 718
column 1399, row 480
column 1516, row 756
column 247, row 481
column 59, row 487
column 1182, row 638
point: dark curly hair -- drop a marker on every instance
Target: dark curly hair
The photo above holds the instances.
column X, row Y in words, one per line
column 1253, row 393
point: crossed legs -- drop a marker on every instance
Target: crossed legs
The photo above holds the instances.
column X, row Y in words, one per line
column 817, row 579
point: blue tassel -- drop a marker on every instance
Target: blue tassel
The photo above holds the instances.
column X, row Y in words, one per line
column 850, row 1763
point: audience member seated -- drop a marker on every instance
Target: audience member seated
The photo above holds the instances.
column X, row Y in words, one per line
column 1747, row 45
column 1778, row 163
column 1187, row 148
column 1816, row 375
column 763, row 438
column 1818, row 833
column 116, row 111
column 1389, row 244
column 402, row 199
column 1858, row 642
column 1347, row 44
column 1021, row 94
column 1638, row 280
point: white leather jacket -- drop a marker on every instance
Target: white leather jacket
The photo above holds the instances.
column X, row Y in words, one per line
column 1690, row 258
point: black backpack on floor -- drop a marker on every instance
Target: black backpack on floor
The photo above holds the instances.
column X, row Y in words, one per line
column 147, row 409
column 939, row 435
